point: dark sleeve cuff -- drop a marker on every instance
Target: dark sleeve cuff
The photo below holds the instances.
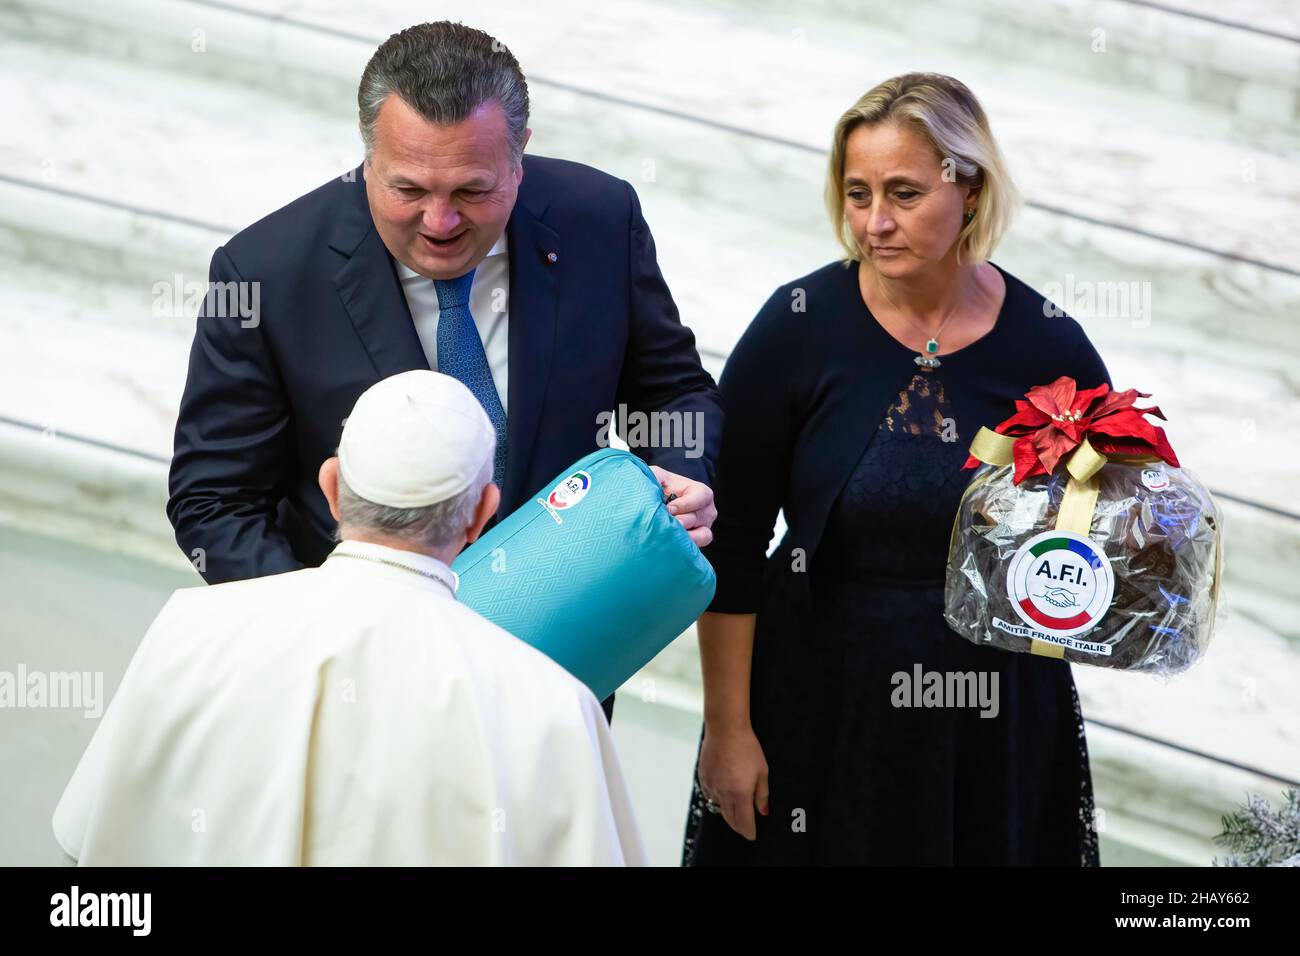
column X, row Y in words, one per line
column 740, row 578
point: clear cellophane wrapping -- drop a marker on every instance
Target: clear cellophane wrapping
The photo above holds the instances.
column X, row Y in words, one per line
column 1164, row 547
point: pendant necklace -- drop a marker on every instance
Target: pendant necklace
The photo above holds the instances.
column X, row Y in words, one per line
column 928, row 359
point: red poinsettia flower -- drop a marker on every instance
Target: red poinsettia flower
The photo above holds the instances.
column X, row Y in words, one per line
column 1053, row 420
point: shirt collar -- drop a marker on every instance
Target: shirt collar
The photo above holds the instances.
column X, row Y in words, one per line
column 422, row 564
column 498, row 249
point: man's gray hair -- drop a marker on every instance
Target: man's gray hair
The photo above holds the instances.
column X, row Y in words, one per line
column 430, row 528
column 444, row 71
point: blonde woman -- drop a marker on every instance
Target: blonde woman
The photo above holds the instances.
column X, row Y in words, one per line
column 852, row 399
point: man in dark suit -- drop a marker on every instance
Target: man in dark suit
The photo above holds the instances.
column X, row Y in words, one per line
column 532, row 280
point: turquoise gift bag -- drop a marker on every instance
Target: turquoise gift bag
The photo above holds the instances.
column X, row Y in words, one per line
column 594, row 571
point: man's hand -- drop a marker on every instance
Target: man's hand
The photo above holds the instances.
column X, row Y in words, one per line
column 693, row 505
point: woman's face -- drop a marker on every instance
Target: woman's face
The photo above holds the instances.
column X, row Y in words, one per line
column 903, row 213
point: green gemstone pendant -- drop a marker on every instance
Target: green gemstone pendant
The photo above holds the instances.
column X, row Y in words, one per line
column 932, row 346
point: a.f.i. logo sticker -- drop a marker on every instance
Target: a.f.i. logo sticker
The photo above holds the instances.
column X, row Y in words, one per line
column 1060, row 583
column 570, row 491
column 1155, row 479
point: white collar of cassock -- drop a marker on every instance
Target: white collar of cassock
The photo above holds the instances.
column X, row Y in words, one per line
column 400, row 561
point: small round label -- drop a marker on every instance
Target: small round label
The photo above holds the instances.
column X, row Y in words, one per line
column 1155, row 479
column 1060, row 583
column 570, row 491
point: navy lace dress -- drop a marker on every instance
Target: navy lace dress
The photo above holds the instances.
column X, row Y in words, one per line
column 858, row 778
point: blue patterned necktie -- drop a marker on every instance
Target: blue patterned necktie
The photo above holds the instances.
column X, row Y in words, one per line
column 461, row 355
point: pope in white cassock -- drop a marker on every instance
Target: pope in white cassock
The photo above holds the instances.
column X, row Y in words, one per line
column 355, row 713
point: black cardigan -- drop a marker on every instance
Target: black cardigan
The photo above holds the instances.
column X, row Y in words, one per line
column 805, row 388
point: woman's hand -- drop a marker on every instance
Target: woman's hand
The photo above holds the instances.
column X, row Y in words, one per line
column 733, row 774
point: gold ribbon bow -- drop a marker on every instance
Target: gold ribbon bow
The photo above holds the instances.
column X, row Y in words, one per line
column 1084, row 464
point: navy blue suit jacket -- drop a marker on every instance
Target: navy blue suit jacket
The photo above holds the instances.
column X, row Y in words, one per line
column 264, row 402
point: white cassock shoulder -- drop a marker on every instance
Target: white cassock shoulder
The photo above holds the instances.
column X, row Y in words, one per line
column 566, row 801
column 345, row 717
column 83, row 803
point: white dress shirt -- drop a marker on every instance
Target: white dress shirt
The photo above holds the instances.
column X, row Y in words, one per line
column 489, row 304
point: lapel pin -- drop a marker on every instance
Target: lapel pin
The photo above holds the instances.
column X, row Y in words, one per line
column 552, row 257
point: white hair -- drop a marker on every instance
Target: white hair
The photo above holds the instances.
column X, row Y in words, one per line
column 429, row 528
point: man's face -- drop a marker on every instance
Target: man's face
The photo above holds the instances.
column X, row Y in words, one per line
column 440, row 196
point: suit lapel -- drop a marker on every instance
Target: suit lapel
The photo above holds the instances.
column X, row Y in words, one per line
column 535, row 263
column 370, row 291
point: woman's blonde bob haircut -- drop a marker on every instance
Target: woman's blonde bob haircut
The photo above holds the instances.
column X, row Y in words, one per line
column 946, row 113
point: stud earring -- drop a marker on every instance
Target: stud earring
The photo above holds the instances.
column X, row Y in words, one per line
column 970, row 214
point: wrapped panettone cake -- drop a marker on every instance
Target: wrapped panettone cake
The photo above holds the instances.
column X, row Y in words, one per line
column 1082, row 537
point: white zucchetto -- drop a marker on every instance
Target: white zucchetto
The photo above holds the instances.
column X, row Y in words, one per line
column 415, row 439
